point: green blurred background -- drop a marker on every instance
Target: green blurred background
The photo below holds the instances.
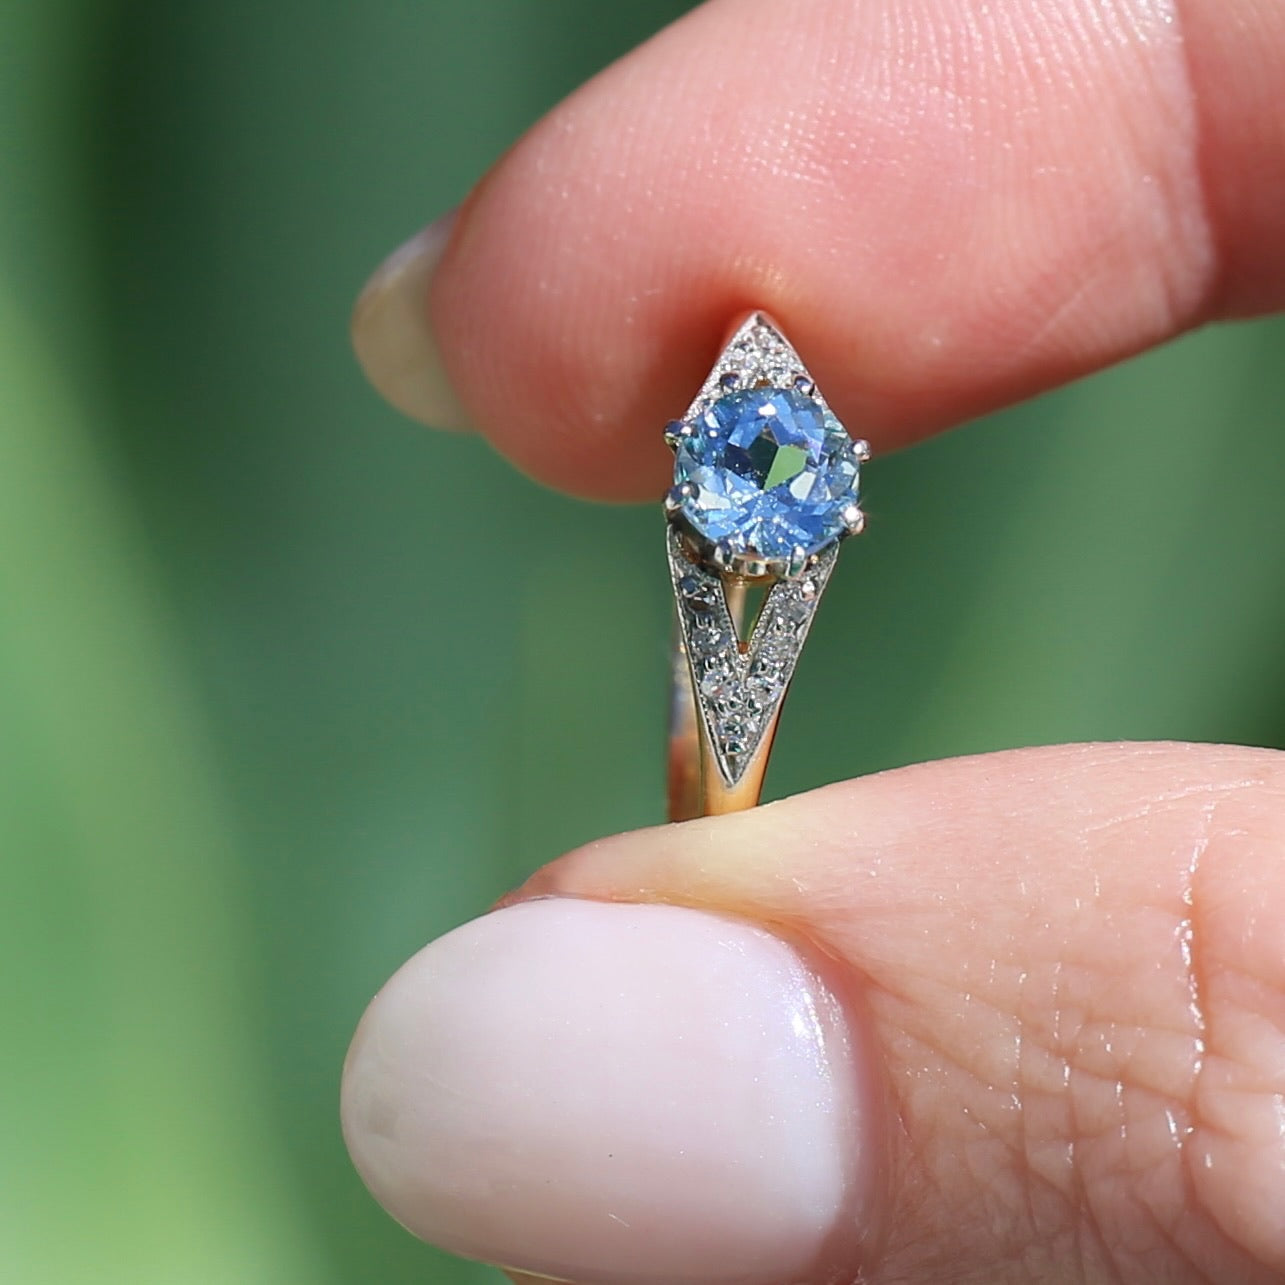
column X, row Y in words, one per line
column 262, row 735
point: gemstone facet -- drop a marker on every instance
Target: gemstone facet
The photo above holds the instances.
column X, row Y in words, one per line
column 765, row 472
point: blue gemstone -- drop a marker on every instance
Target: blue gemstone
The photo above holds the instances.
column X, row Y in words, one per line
column 769, row 470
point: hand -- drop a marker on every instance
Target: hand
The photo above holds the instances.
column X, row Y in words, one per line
column 1014, row 1018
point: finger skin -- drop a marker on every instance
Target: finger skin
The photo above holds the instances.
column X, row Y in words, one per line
column 949, row 204
column 1074, row 963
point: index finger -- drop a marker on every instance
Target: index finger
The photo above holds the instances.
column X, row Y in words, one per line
column 948, row 204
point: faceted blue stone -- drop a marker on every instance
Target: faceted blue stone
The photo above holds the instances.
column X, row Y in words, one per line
column 770, row 470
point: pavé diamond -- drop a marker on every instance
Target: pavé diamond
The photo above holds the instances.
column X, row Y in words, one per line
column 765, row 472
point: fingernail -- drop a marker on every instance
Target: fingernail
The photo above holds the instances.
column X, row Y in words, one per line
column 392, row 337
column 624, row 1093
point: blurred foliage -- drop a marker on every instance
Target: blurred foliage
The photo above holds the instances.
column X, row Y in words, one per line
column 261, row 737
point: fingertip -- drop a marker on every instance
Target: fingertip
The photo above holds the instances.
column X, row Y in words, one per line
column 601, row 1091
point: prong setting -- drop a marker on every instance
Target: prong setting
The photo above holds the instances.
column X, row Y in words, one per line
column 677, row 495
column 854, row 520
column 677, row 432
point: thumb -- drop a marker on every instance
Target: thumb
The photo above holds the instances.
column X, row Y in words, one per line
column 615, row 1092
column 1013, row 1018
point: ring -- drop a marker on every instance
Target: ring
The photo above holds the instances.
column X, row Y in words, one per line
column 766, row 486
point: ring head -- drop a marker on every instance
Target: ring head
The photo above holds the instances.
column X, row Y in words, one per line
column 765, row 476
